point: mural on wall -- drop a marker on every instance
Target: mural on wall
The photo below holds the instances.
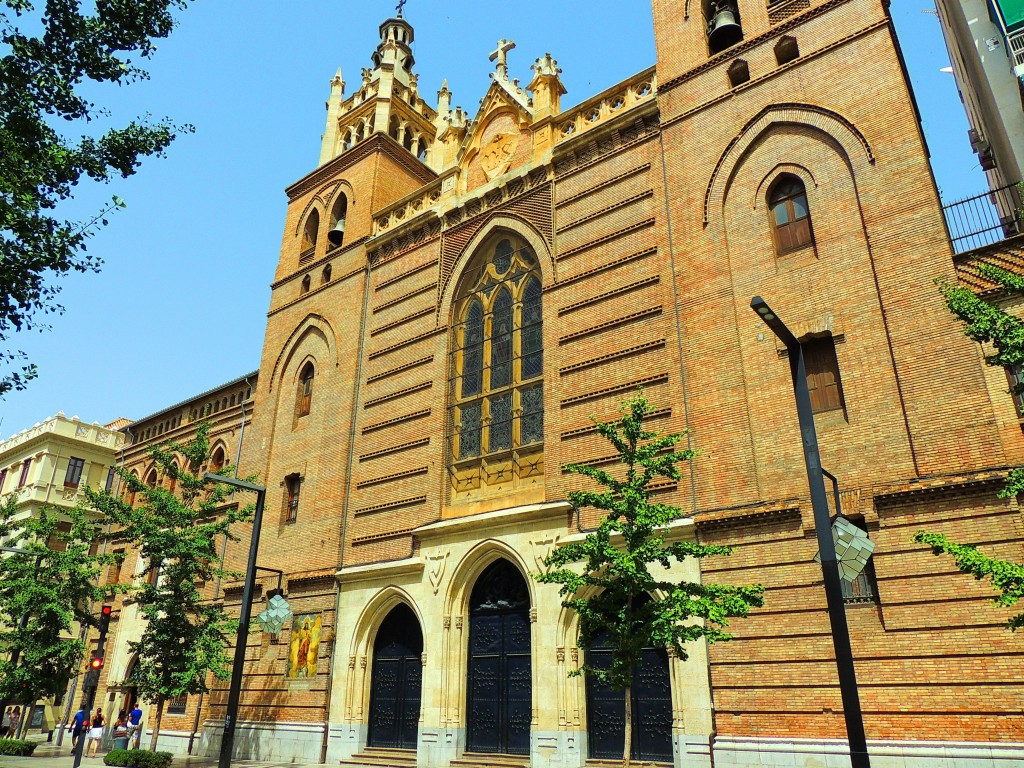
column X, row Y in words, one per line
column 305, row 646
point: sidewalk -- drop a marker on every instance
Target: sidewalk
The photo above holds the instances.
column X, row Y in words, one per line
column 52, row 756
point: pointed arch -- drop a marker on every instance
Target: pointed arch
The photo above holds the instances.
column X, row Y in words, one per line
column 312, row 325
column 473, row 564
column 375, row 611
column 833, row 128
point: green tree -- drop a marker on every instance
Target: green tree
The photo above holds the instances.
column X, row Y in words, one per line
column 615, row 593
column 46, row 590
column 176, row 533
column 988, row 323
column 47, row 54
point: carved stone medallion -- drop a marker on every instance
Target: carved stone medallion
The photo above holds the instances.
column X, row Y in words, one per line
column 497, row 155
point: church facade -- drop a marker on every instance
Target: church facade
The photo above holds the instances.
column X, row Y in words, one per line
column 458, row 295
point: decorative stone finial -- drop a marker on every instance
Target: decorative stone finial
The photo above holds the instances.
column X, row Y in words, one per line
column 336, row 80
column 546, row 65
column 501, row 54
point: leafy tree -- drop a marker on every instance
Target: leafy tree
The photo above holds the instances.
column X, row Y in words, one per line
column 176, row 533
column 44, row 591
column 616, row 593
column 987, row 323
column 46, row 55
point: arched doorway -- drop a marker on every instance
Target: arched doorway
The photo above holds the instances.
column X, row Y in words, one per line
column 652, row 707
column 397, row 676
column 499, row 703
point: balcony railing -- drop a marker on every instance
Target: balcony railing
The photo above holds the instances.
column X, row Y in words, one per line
column 984, row 219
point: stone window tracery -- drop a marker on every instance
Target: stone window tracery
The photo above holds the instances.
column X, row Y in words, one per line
column 496, row 413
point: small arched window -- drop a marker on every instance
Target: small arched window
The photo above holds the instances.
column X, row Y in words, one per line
column 325, row 276
column 339, row 212
column 790, row 216
column 217, row 460
column 310, row 232
column 304, row 287
column 306, row 389
column 151, row 478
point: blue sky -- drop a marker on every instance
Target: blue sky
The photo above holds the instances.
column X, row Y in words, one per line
column 180, row 305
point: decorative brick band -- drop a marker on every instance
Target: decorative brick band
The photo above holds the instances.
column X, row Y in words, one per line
column 607, row 238
column 396, row 420
column 613, row 180
column 410, row 273
column 661, row 413
column 397, row 504
column 625, row 320
column 402, row 321
column 604, row 267
column 400, row 393
column 406, row 342
column 378, row 536
column 395, row 449
column 398, row 369
column 628, row 352
column 394, row 476
column 660, row 378
column 648, row 129
column 607, row 209
column 405, row 297
column 608, row 295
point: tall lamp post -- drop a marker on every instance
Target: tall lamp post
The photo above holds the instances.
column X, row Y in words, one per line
column 823, row 529
column 227, row 742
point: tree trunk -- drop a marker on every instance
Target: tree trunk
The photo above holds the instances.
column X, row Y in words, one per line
column 156, row 725
column 627, row 751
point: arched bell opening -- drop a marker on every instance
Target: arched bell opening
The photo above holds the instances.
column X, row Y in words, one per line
column 339, row 212
column 723, row 24
column 396, row 681
column 499, row 702
column 651, row 697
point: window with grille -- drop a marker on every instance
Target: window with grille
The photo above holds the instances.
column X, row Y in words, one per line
column 176, row 705
column 823, row 375
column 496, row 413
column 790, row 216
column 74, row 474
column 292, row 486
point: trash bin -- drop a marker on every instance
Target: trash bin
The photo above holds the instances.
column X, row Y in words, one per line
column 121, row 742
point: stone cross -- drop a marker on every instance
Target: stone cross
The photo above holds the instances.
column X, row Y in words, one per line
column 399, row 8
column 501, row 54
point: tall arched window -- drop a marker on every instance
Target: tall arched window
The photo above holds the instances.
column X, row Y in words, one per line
column 310, row 232
column 151, row 478
column 217, row 461
column 790, row 216
column 497, row 397
column 306, row 389
column 339, row 212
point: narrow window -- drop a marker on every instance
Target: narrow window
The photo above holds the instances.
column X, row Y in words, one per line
column 823, row 375
column 23, row 477
column 325, row 276
column 310, row 232
column 339, row 212
column 864, row 588
column 306, row 389
column 790, row 216
column 292, row 484
column 3, row 479
column 217, row 460
column 74, row 474
column 109, row 484
column 304, row 288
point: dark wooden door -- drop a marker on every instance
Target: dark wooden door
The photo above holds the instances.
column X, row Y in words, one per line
column 652, row 709
column 499, row 701
column 396, row 680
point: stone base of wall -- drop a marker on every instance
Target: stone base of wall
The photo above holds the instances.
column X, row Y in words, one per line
column 293, row 742
column 175, row 742
column 735, row 752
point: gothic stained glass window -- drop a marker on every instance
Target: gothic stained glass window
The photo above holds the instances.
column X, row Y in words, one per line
column 497, row 349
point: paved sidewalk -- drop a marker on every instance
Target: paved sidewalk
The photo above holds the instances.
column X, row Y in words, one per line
column 51, row 756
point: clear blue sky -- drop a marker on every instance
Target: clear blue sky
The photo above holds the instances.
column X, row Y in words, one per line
column 180, row 305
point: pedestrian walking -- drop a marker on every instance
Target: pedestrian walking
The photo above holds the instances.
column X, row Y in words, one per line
column 15, row 721
column 135, row 726
column 95, row 733
column 77, row 726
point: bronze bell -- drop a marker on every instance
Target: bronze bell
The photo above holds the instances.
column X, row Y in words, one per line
column 724, row 30
column 336, row 235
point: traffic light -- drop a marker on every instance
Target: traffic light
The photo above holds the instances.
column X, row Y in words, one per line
column 105, row 618
column 96, row 662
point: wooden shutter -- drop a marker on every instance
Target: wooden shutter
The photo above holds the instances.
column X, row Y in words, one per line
column 823, row 375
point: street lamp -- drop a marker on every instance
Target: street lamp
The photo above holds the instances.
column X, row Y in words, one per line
column 227, row 742
column 823, row 529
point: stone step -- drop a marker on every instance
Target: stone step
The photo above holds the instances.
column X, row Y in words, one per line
column 479, row 760
column 594, row 763
column 381, row 757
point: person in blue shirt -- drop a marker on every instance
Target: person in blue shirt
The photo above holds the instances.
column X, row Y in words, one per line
column 77, row 726
column 135, row 726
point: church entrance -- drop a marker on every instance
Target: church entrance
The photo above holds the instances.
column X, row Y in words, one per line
column 499, row 702
column 397, row 676
column 652, row 708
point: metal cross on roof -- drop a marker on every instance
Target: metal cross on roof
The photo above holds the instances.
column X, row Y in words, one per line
column 399, row 8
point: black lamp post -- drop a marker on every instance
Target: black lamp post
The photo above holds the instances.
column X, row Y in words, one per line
column 823, row 528
column 227, row 742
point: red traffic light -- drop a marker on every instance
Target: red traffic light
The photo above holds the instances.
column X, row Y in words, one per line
column 105, row 610
column 96, row 662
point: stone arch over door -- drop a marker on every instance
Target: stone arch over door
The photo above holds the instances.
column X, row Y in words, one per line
column 499, row 695
column 396, row 677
